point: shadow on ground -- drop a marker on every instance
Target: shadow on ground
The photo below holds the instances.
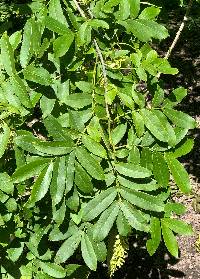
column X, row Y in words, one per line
column 139, row 265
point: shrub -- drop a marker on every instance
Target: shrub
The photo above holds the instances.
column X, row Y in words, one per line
column 89, row 139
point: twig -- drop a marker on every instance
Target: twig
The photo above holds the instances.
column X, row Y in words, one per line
column 79, row 9
column 178, row 34
column 99, row 53
column 104, row 72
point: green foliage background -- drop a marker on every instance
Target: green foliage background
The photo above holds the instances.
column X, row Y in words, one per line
column 89, row 137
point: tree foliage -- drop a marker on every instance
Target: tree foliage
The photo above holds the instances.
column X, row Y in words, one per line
column 89, row 138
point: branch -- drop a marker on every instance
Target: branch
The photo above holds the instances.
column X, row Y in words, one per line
column 79, row 9
column 178, row 34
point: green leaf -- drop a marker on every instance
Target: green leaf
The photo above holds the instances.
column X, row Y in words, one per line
column 123, row 153
column 142, row 200
column 158, row 96
column 134, row 217
column 82, row 179
column 56, row 11
column 10, row 97
column 41, row 186
column 149, row 13
column 34, row 241
column 3, row 198
column 100, row 251
column 15, row 39
column 158, row 125
column 160, row 169
column 38, row 75
column 29, row 170
column 171, row 136
column 68, row 248
column 177, row 208
column 134, row 156
column 97, row 23
column 108, row 6
column 146, row 160
column 180, row 93
column 134, row 8
column 123, row 226
column 78, row 100
column 7, row 55
column 124, row 10
column 6, row 184
column 53, row 147
column 11, row 205
column 25, row 141
column 27, row 44
column 155, row 230
column 130, row 170
column 111, row 94
column 57, row 186
column 88, row 252
column 178, row 226
column 4, row 138
column 89, row 163
column 147, row 187
column 139, row 123
column 98, row 204
column 184, row 148
column 179, row 174
column 94, row 129
column 180, row 134
column 180, row 119
column 94, row 147
column 55, row 130
column 85, row 86
column 144, row 29
column 55, row 25
column 105, row 222
column 170, row 240
column 78, row 119
column 62, row 90
column 118, row 133
column 62, row 44
column 147, row 139
column 15, row 252
column 54, row 270
column 84, row 34
column 73, row 201
column 59, row 212
column 36, row 36
column 46, row 106
column 21, row 91
column 70, row 171
column 138, row 98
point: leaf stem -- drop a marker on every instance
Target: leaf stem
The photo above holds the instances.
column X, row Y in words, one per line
column 100, row 55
